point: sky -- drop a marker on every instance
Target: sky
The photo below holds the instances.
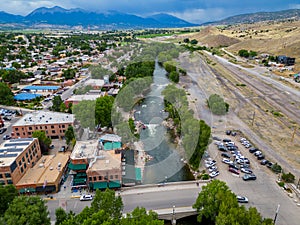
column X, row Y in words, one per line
column 196, row 11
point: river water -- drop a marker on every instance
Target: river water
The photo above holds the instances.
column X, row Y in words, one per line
column 166, row 164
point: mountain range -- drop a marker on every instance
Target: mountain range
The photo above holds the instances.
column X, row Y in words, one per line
column 58, row 17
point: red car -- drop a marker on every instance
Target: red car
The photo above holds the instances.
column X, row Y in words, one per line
column 233, row 170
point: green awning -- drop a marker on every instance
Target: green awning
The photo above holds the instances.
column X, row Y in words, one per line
column 112, row 145
column 80, row 175
column 77, row 166
column 100, row 185
column 25, row 190
column 114, row 184
column 138, row 174
column 79, row 180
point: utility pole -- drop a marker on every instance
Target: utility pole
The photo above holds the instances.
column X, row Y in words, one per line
column 277, row 210
column 293, row 135
column 253, row 118
column 173, row 216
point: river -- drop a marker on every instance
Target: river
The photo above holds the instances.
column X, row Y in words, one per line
column 166, row 164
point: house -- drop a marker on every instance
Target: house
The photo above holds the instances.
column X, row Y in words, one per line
column 287, row 61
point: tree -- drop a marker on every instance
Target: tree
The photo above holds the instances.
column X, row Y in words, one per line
column 85, row 113
column 244, row 53
column 194, row 42
column 217, row 104
column 69, row 74
column 60, row 215
column 44, row 141
column 210, row 199
column 7, row 195
column 103, row 110
column 288, row 177
column 69, row 135
column 6, row 96
column 139, row 216
column 174, row 76
column 56, row 103
column 109, row 203
column 27, row 210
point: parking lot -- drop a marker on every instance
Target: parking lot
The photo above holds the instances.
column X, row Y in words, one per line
column 263, row 192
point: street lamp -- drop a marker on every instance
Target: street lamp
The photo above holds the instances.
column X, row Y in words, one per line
column 173, row 216
column 277, row 210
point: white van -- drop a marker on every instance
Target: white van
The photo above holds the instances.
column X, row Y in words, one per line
column 86, row 198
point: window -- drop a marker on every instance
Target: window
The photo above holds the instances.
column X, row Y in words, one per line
column 7, row 175
column 52, row 126
column 26, row 154
column 23, row 160
column 20, row 163
column 36, row 128
column 41, row 127
column 90, row 178
column 30, row 157
column 24, row 133
column 22, row 170
column 45, row 127
column 116, row 176
column 18, row 134
column 22, row 128
column 17, row 128
column 2, row 182
column 94, row 178
column 100, row 177
column 30, row 128
column 29, row 133
column 63, row 126
column 53, row 131
column 111, row 177
column 25, row 166
column 1, row 176
column 9, row 182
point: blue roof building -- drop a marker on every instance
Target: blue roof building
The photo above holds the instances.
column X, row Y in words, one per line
column 41, row 88
column 26, row 96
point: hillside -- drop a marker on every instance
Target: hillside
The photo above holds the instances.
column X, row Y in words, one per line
column 258, row 17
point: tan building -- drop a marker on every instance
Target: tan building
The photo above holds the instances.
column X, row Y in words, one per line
column 46, row 175
column 53, row 123
column 17, row 156
column 95, row 167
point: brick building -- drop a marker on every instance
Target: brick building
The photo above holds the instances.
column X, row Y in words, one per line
column 17, row 156
column 53, row 123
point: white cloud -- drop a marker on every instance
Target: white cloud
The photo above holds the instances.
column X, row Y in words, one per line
column 294, row 6
column 201, row 15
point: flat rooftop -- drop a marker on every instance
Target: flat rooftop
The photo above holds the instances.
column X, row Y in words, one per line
column 110, row 138
column 85, row 150
column 41, row 88
column 11, row 149
column 48, row 169
column 106, row 160
column 43, row 117
column 83, row 97
column 94, row 82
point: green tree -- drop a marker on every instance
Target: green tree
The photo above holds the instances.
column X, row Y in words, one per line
column 44, row 141
column 7, row 195
column 210, row 199
column 27, row 210
column 139, row 216
column 69, row 74
column 174, row 76
column 85, row 113
column 57, row 101
column 109, row 203
column 6, row 95
column 194, row 42
column 103, row 110
column 288, row 177
column 217, row 104
column 244, row 53
column 69, row 135
column 60, row 215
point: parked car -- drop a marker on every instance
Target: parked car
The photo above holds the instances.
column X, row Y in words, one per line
column 212, row 168
column 245, row 165
column 226, row 140
column 249, row 177
column 257, row 153
column 2, row 130
column 217, row 138
column 214, row 174
column 252, row 150
column 234, row 166
column 264, row 162
column 62, row 149
column 6, row 137
column 86, row 197
column 222, row 148
column 233, row 170
column 228, row 132
column 233, row 133
column 226, row 155
column 246, row 170
column 7, row 118
column 242, row 199
column 227, row 161
column 260, row 157
column 269, row 164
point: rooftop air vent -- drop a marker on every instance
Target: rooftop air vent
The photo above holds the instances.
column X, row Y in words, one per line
column 51, row 168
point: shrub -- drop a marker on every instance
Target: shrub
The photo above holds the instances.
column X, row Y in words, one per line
column 288, row 177
column 276, row 168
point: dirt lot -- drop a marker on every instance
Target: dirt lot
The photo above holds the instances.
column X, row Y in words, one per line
column 254, row 107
